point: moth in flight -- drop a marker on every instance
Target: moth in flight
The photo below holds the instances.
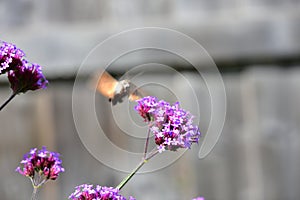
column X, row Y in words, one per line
column 116, row 90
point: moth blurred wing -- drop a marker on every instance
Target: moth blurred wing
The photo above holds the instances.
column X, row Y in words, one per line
column 135, row 93
column 107, row 85
column 134, row 97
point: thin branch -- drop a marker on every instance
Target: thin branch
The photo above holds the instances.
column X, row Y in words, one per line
column 8, row 100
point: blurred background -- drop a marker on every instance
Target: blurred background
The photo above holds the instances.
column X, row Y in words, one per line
column 256, row 47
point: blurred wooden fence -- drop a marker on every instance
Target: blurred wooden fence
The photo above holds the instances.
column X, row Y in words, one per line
column 66, row 31
column 257, row 156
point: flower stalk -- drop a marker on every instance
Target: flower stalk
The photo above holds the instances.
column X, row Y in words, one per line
column 8, row 100
column 144, row 160
column 34, row 193
column 146, row 143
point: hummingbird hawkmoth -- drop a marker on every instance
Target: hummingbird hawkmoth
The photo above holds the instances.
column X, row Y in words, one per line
column 116, row 90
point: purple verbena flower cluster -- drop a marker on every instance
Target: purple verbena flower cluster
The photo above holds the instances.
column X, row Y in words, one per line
column 22, row 75
column 89, row 192
column 40, row 166
column 172, row 126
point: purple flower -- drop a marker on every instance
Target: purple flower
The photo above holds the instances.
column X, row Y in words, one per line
column 40, row 166
column 146, row 106
column 199, row 198
column 89, row 192
column 11, row 57
column 22, row 75
column 27, row 77
column 172, row 126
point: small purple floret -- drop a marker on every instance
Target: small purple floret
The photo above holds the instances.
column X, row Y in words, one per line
column 146, row 106
column 172, row 126
column 89, row 192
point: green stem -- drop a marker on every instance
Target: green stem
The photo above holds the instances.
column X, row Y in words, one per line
column 34, row 193
column 147, row 141
column 146, row 144
column 8, row 100
column 127, row 178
